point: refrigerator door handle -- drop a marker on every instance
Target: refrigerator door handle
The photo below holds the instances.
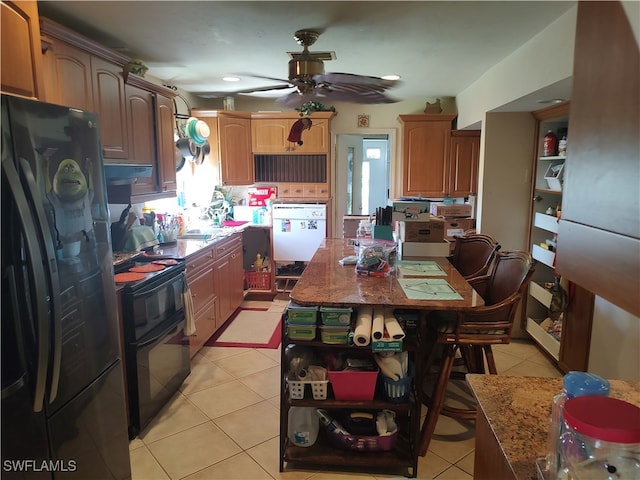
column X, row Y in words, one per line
column 46, row 241
column 38, row 276
column 10, row 278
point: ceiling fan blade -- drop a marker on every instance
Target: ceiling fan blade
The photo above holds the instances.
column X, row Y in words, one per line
column 377, row 83
column 296, row 99
column 349, row 96
column 245, row 91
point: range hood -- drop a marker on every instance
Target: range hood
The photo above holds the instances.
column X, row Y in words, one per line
column 124, row 173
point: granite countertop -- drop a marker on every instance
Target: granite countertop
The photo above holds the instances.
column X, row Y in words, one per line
column 326, row 282
column 185, row 248
column 518, row 410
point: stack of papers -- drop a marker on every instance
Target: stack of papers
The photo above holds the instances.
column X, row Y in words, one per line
column 428, row 289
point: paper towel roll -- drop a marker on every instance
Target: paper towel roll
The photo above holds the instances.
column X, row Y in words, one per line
column 393, row 327
column 377, row 329
column 362, row 333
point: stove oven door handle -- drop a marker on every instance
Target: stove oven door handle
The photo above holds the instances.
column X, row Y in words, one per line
column 150, row 291
column 162, row 334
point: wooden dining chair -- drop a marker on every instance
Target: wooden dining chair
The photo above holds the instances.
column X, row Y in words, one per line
column 479, row 328
column 473, row 253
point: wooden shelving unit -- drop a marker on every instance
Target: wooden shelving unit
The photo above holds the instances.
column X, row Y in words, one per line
column 323, row 453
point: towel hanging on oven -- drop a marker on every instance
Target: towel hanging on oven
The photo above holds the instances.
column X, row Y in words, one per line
column 190, row 323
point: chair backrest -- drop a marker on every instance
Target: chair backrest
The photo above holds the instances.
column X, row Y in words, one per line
column 502, row 291
column 509, row 276
column 473, row 253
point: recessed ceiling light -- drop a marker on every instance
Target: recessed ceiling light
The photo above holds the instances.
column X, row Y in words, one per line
column 391, row 77
column 553, row 100
column 231, row 79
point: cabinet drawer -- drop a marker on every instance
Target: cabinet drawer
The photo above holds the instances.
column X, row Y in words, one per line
column 205, row 327
column 315, row 190
column 224, row 247
column 201, row 288
column 197, row 262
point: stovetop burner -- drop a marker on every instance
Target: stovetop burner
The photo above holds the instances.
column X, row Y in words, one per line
column 121, row 257
column 152, row 267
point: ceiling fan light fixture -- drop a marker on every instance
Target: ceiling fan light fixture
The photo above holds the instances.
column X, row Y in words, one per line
column 391, row 77
column 301, row 67
column 230, row 78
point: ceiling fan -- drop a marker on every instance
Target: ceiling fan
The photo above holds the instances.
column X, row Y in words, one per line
column 311, row 83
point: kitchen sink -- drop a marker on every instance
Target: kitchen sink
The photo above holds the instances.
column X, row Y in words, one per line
column 202, row 234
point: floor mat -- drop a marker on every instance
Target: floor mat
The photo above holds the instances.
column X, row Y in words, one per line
column 249, row 328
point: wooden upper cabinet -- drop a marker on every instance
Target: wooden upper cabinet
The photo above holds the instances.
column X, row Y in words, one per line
column 269, row 135
column 425, row 154
column 600, row 222
column 21, row 57
column 109, row 102
column 67, row 73
column 150, row 117
column 142, row 142
column 464, row 161
column 230, row 142
column 166, row 147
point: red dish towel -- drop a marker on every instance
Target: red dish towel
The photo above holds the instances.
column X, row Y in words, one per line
column 233, row 223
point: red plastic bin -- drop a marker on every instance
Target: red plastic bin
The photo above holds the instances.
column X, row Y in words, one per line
column 258, row 280
column 353, row 384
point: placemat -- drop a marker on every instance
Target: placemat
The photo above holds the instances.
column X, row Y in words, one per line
column 428, row 289
column 425, row 268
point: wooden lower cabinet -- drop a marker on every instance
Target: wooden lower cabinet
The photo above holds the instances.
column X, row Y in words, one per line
column 229, row 278
column 215, row 276
column 200, row 278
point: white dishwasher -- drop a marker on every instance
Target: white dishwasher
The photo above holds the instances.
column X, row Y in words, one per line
column 298, row 230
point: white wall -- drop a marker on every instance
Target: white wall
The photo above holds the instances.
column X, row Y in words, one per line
column 615, row 338
column 504, row 190
column 544, row 60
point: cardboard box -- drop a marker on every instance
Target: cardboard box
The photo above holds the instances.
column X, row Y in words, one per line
column 457, row 226
column 409, row 210
column 259, row 196
column 453, row 210
column 419, row 217
column 429, row 231
column 422, row 249
column 386, row 344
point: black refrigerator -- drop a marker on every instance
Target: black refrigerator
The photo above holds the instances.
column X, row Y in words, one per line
column 63, row 402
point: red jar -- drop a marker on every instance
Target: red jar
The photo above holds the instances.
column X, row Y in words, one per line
column 550, row 144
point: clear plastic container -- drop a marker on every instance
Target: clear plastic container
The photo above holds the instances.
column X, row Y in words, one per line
column 601, row 439
column 574, row 384
column 303, row 426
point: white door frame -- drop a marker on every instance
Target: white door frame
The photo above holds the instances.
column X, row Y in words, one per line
column 338, row 178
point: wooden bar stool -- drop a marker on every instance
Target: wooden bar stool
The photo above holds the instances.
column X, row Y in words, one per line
column 473, row 253
column 502, row 290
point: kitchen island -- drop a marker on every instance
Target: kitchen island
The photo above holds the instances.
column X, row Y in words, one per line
column 325, row 282
column 513, row 421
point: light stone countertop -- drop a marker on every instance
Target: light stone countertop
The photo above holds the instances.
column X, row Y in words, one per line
column 518, row 410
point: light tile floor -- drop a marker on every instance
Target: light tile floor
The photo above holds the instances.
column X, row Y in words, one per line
column 224, row 422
